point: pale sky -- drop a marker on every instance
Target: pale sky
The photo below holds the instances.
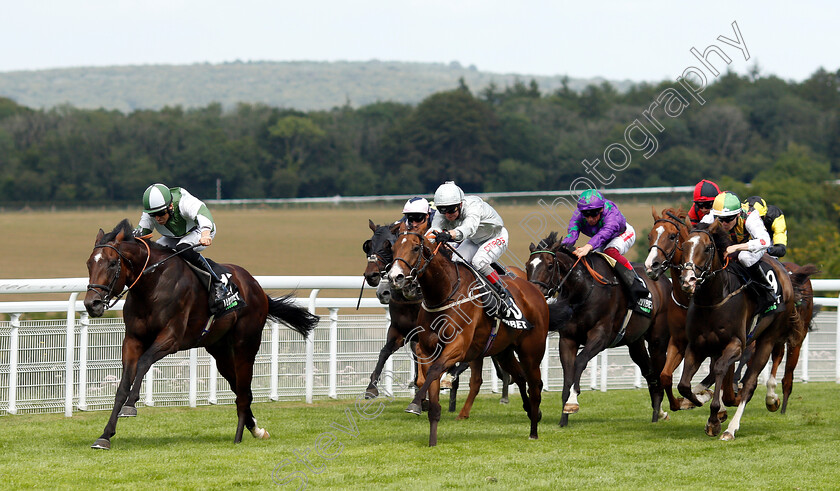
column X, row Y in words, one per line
column 636, row 40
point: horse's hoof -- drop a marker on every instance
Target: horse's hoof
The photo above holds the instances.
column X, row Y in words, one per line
column 722, row 416
column 772, row 403
column 685, row 404
column 571, row 408
column 727, row 436
column 102, row 444
column 260, row 433
column 371, row 393
column 414, row 409
column 533, row 437
column 128, row 412
column 461, row 417
column 712, row 429
column 504, row 400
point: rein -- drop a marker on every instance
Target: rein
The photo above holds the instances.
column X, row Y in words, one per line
column 415, row 273
column 705, row 270
column 108, row 298
column 677, row 223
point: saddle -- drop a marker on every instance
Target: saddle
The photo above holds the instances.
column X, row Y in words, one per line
column 220, row 302
column 768, row 298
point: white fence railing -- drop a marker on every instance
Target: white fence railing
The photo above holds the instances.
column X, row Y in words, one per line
column 74, row 363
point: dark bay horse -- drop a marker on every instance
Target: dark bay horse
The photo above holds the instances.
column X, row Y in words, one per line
column 166, row 310
column 718, row 322
column 664, row 240
column 599, row 310
column 403, row 307
column 453, row 327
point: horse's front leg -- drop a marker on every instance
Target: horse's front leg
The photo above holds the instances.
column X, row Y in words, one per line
column 750, row 380
column 393, row 343
column 131, row 351
column 568, row 353
column 723, row 368
column 691, row 364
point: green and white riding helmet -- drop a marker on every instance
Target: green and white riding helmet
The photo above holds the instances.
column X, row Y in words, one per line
column 156, row 198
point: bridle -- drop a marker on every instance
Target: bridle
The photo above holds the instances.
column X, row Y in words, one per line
column 416, row 271
column 553, row 280
column 109, row 298
column 702, row 273
column 669, row 256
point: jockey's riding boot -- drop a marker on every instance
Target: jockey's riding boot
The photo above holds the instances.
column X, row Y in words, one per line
column 640, row 296
column 222, row 298
column 768, row 301
column 506, row 298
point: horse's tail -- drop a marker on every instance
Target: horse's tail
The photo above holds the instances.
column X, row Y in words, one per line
column 559, row 314
column 283, row 309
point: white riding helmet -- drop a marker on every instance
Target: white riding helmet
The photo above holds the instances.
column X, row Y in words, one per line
column 448, row 194
column 416, row 205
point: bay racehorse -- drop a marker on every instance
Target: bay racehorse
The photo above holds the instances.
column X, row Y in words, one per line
column 403, row 308
column 599, row 318
column 804, row 302
column 166, row 310
column 664, row 241
column 718, row 321
column 454, row 328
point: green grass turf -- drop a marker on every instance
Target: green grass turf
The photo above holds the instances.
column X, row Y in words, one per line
column 610, row 444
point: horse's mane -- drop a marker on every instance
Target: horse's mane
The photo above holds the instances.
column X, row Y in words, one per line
column 547, row 242
column 123, row 227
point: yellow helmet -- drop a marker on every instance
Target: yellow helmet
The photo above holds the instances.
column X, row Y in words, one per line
column 726, row 204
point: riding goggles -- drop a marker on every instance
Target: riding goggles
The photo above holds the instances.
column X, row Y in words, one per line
column 448, row 209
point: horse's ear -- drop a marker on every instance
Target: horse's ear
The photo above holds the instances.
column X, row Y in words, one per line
column 99, row 236
column 371, row 225
column 532, row 247
column 556, row 246
column 395, row 228
column 655, row 215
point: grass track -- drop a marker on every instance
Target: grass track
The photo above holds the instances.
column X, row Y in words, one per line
column 609, row 444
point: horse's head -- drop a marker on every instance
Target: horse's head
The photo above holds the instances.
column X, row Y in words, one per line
column 412, row 254
column 541, row 268
column 664, row 240
column 108, row 267
column 702, row 253
column 378, row 251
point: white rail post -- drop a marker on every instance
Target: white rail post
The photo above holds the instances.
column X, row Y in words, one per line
column 310, row 351
column 193, row 376
column 333, row 392
column 275, row 361
column 84, row 320
column 14, row 337
column 544, row 366
column 637, row 380
column 593, row 372
column 71, row 348
column 388, row 370
column 604, row 362
column 837, row 344
column 804, row 357
column 213, row 383
column 148, row 387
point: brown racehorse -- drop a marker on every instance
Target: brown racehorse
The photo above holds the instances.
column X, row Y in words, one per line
column 718, row 320
column 804, row 301
column 664, row 240
column 453, row 327
column 599, row 310
column 166, row 310
column 403, row 307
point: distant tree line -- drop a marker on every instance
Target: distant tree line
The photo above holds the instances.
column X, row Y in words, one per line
column 781, row 136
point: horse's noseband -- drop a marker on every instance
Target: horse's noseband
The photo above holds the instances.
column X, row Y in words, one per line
column 110, row 298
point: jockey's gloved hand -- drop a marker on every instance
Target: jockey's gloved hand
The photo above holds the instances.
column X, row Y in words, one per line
column 443, row 236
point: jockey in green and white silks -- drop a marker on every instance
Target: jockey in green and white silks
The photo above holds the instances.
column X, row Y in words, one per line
column 189, row 217
column 186, row 225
